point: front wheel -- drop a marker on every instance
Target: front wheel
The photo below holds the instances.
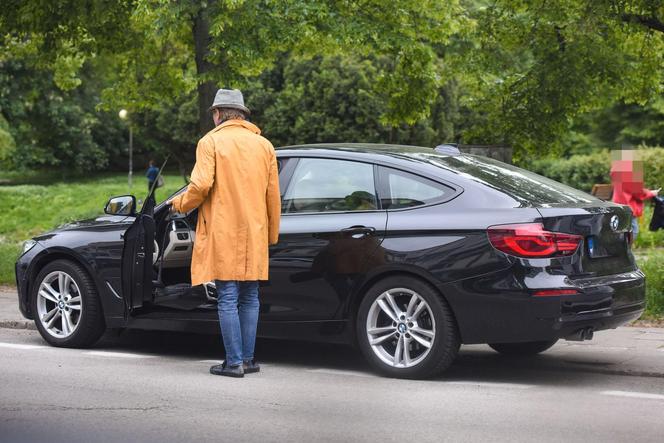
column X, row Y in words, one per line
column 66, row 306
column 406, row 330
column 523, row 349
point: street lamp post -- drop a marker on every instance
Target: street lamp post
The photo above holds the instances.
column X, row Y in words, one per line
column 123, row 114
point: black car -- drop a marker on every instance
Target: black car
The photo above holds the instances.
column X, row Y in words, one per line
column 403, row 251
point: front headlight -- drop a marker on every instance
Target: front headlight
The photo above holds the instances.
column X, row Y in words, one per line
column 27, row 245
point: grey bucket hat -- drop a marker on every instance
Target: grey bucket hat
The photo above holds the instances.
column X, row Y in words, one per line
column 229, row 98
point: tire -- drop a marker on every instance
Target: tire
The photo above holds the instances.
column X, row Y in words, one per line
column 80, row 304
column 432, row 324
column 523, row 349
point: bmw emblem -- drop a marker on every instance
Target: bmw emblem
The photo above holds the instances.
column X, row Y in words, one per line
column 614, row 222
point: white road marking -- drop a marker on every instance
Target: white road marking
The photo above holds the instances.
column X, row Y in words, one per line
column 650, row 335
column 599, row 347
column 339, row 372
column 117, row 354
column 20, row 346
column 632, row 394
column 484, row 384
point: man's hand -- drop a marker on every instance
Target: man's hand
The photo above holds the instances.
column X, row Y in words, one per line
column 171, row 208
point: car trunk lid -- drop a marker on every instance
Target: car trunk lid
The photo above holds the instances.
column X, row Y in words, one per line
column 606, row 231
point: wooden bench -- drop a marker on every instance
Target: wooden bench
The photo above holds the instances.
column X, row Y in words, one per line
column 602, row 191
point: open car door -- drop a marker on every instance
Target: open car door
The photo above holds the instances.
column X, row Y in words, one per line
column 137, row 266
column 137, row 259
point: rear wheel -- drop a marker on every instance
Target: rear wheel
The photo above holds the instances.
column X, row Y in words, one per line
column 523, row 349
column 406, row 330
column 66, row 305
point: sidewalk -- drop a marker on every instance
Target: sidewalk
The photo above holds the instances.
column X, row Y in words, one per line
column 10, row 316
column 634, row 351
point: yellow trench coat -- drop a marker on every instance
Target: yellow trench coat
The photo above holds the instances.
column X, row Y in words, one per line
column 235, row 185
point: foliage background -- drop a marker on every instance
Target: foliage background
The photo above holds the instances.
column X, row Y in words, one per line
column 547, row 77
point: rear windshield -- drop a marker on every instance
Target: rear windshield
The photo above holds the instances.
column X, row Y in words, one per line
column 520, row 184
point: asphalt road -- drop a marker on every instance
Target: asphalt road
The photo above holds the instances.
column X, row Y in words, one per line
column 149, row 386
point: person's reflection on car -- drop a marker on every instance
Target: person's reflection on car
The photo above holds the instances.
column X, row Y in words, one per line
column 342, row 260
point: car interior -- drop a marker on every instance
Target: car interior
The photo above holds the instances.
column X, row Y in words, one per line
column 174, row 245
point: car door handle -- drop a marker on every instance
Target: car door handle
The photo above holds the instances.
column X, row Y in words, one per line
column 359, row 231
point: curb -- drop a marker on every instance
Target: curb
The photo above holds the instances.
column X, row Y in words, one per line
column 20, row 324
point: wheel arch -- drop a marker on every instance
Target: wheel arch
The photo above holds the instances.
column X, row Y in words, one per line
column 49, row 256
column 413, row 272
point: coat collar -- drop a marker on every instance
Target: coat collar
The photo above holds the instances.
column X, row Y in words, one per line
column 241, row 123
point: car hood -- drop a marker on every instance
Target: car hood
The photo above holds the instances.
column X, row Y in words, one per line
column 91, row 223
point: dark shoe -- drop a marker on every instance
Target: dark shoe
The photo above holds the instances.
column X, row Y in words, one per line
column 250, row 366
column 227, row 371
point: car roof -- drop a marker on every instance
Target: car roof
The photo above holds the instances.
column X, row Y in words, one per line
column 365, row 151
column 367, row 148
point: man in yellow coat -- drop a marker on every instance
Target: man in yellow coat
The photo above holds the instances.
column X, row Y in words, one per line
column 235, row 186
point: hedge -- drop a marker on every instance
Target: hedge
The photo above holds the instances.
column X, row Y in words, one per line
column 583, row 171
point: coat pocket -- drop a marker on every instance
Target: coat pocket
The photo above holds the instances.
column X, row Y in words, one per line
column 201, row 229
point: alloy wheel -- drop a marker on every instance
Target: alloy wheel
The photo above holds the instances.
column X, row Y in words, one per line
column 400, row 328
column 59, row 306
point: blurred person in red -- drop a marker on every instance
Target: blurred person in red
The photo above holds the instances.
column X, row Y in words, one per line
column 628, row 187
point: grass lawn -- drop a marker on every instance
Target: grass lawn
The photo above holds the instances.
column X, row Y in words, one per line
column 648, row 239
column 652, row 264
column 30, row 209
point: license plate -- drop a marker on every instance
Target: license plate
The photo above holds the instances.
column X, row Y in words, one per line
column 592, row 246
column 608, row 247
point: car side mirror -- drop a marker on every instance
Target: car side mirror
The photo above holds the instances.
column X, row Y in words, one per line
column 122, row 205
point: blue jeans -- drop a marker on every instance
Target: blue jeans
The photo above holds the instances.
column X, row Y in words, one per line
column 635, row 227
column 237, row 303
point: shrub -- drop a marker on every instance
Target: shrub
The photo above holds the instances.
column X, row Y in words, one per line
column 583, row 171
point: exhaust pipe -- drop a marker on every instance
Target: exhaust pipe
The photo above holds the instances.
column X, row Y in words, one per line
column 581, row 335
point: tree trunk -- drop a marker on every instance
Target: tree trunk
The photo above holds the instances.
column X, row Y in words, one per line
column 206, row 89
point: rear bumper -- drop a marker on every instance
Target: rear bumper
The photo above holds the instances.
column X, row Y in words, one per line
column 570, row 325
column 606, row 303
column 510, row 316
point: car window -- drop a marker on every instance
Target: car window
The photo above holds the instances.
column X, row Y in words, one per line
column 403, row 190
column 322, row 185
column 523, row 186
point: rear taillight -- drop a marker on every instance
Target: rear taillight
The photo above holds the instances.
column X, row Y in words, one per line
column 555, row 292
column 530, row 240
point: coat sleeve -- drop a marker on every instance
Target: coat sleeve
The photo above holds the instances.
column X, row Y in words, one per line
column 202, row 179
column 644, row 194
column 273, row 200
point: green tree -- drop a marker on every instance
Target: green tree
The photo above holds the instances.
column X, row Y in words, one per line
column 502, row 71
column 332, row 99
column 619, row 126
column 232, row 40
column 532, row 66
column 54, row 128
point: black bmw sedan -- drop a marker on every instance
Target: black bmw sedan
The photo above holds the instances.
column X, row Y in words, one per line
column 402, row 251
